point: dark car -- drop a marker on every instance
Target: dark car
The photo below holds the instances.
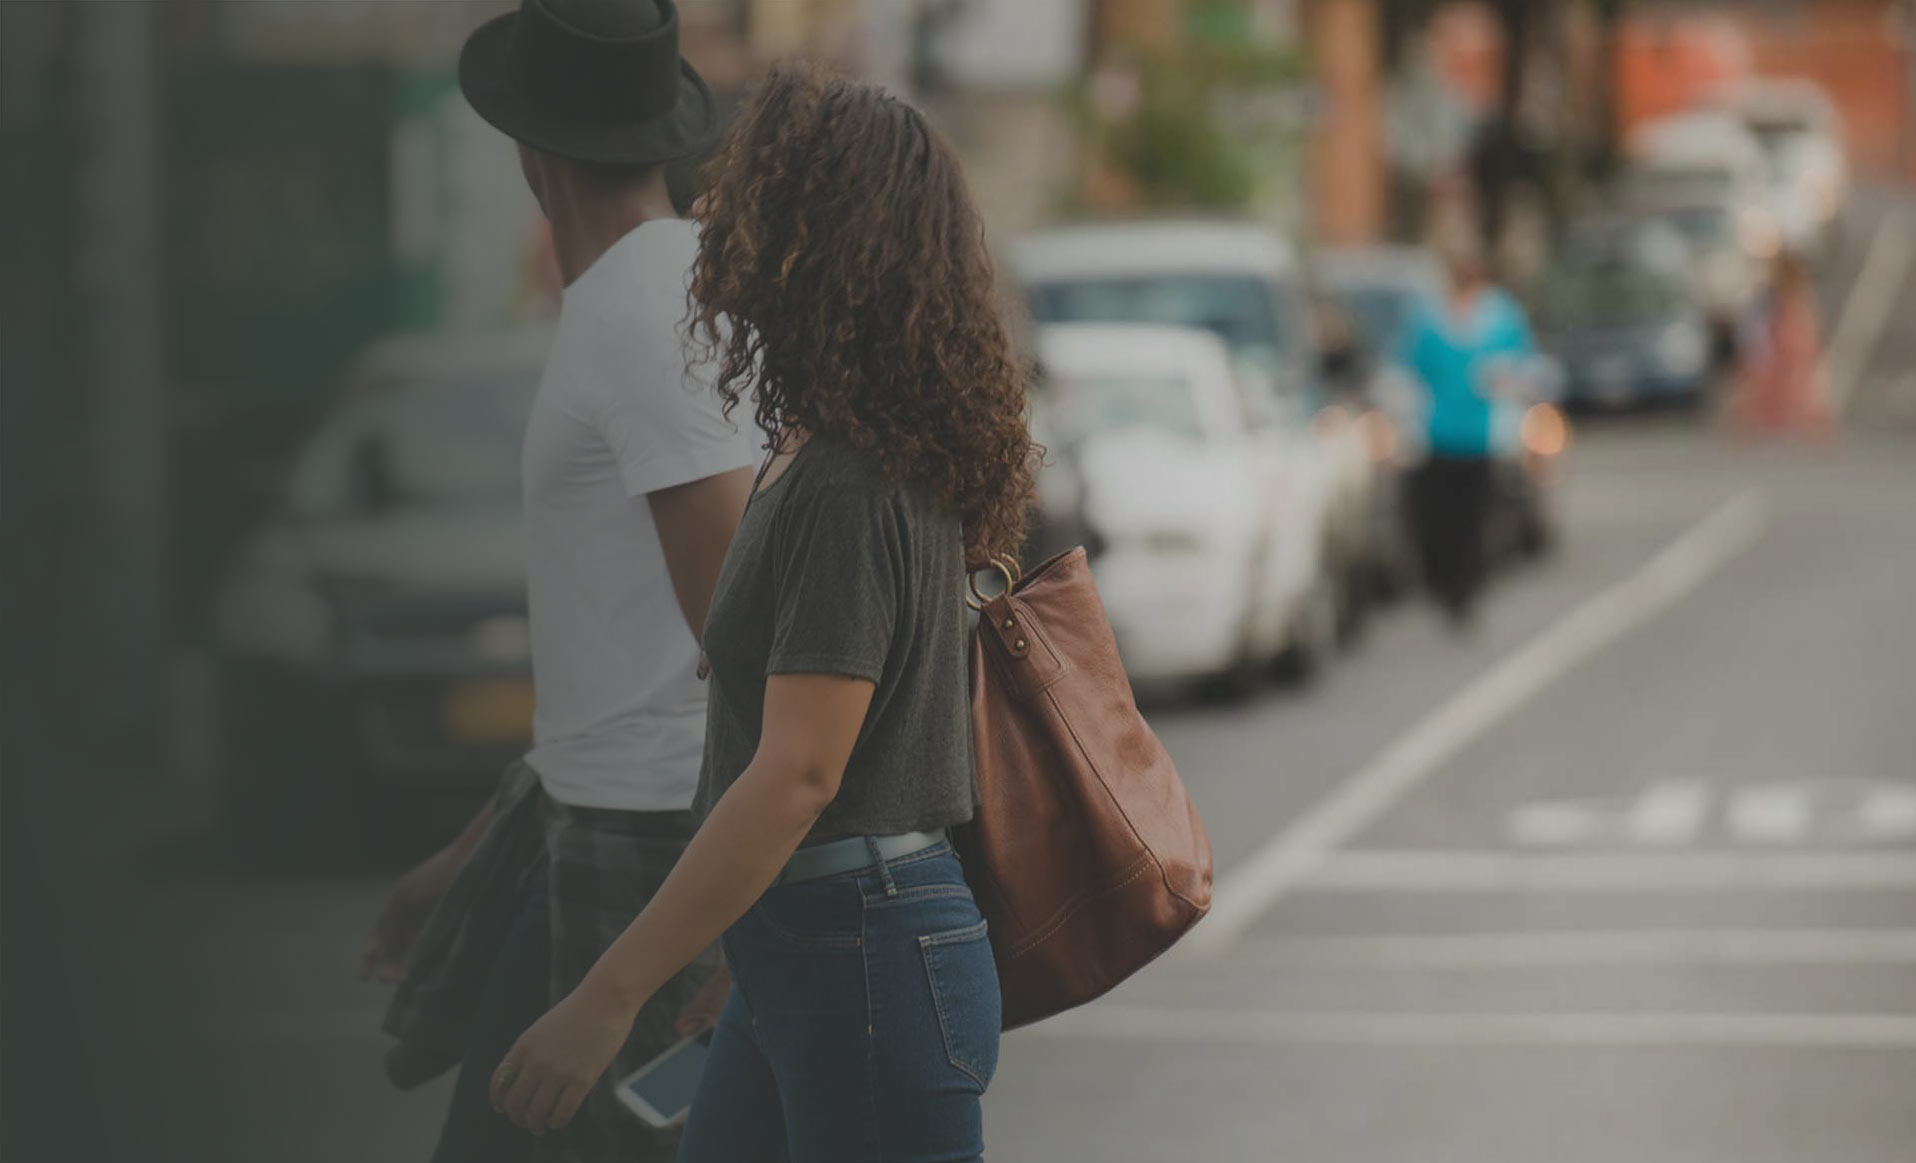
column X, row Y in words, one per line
column 1366, row 296
column 1614, row 309
column 371, row 639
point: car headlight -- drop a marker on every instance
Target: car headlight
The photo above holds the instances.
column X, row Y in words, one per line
column 275, row 615
column 1330, row 421
column 1683, row 349
column 1545, row 432
column 506, row 638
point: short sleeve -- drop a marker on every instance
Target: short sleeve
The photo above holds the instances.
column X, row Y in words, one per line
column 641, row 385
column 840, row 580
column 664, row 423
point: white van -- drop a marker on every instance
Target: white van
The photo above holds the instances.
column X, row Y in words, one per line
column 1707, row 175
column 1802, row 136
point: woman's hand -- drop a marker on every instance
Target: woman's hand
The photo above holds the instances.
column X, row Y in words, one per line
column 811, row 724
column 553, row 1066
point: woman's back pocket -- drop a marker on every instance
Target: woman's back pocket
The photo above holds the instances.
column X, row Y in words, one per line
column 964, row 989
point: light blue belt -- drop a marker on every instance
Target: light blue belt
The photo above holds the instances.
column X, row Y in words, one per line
column 853, row 854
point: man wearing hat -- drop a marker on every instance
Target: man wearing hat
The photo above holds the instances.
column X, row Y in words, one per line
column 634, row 481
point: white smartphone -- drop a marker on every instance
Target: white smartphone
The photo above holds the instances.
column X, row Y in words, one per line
column 660, row 1092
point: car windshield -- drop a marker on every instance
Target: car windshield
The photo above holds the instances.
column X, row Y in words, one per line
column 1585, row 291
column 433, row 442
column 1701, row 226
column 1676, row 188
column 1777, row 135
column 1085, row 406
column 1239, row 309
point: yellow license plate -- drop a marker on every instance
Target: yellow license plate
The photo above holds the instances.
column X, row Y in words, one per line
column 490, row 711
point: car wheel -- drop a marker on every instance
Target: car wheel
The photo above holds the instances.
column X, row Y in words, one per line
column 1230, row 686
column 1536, row 533
column 1353, row 604
column 1239, row 680
column 1313, row 635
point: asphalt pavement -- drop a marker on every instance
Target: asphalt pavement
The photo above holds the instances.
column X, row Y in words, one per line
column 1629, row 875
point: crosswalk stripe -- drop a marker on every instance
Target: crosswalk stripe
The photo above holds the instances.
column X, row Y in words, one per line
column 1442, row 871
column 1788, row 1031
column 1577, row 949
column 1293, row 855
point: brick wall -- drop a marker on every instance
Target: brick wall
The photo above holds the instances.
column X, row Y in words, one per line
column 1852, row 49
column 1855, row 49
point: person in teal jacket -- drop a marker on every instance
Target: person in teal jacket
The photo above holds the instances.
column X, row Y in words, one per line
column 1465, row 350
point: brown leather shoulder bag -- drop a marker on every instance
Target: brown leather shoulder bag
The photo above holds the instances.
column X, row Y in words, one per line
column 1086, row 856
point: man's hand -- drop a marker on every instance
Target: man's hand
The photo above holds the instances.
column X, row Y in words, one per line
column 553, row 1066
column 702, row 1012
column 404, row 915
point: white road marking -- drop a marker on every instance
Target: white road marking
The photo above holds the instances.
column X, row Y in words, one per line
column 1798, row 1031
column 1899, row 397
column 1887, row 814
column 1669, row 812
column 1582, row 949
column 1442, row 871
column 1770, row 815
column 1246, row 892
column 1675, row 812
column 1867, row 310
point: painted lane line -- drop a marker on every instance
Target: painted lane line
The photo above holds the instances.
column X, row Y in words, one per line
column 1442, row 871
column 1899, row 395
column 1246, row 892
column 1801, row 1031
column 1867, row 310
column 1582, row 949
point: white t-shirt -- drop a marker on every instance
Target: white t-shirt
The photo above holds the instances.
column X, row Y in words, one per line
column 621, row 711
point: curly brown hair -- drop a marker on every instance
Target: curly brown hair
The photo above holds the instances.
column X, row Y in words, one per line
column 843, row 277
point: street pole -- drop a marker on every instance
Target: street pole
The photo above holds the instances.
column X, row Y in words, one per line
column 1500, row 158
column 1610, row 41
column 114, row 276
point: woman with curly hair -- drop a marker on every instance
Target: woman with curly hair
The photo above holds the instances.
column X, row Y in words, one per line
column 843, row 283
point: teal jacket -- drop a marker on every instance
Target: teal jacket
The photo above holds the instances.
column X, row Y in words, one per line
column 1454, row 360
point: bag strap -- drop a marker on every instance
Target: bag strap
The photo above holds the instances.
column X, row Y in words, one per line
column 1032, row 662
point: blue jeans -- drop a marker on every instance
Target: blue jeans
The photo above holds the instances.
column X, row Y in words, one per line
column 862, row 1025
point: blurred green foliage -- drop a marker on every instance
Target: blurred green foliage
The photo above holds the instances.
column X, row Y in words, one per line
column 1208, row 126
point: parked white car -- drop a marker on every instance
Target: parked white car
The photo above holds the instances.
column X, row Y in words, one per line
column 1242, row 282
column 1707, row 175
column 1207, row 548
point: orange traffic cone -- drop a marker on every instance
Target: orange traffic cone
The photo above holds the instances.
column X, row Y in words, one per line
column 1782, row 386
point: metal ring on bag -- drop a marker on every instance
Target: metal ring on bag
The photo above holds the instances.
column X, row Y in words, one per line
column 1006, row 569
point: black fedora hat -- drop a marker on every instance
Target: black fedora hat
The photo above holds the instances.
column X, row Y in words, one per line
column 594, row 80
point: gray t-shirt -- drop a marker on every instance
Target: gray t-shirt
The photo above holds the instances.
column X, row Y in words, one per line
column 834, row 570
